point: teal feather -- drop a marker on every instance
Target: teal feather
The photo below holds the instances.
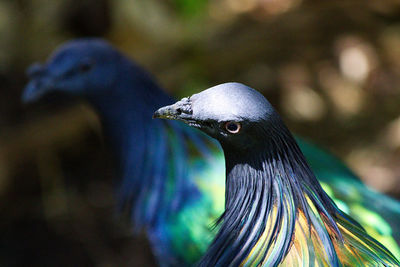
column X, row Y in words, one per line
column 376, row 212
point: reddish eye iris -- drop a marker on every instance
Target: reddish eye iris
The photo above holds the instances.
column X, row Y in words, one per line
column 232, row 127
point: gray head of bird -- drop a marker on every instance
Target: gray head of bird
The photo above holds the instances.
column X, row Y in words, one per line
column 239, row 117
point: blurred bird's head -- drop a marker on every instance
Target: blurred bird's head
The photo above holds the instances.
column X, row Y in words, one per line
column 235, row 114
column 80, row 67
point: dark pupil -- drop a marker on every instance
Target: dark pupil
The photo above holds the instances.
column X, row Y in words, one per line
column 85, row 67
column 232, row 127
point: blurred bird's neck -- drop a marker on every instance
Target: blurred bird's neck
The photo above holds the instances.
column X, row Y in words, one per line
column 151, row 154
column 126, row 109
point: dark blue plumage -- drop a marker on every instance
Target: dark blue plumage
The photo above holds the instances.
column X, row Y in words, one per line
column 171, row 177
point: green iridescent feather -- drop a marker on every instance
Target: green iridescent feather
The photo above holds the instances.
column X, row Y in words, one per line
column 377, row 213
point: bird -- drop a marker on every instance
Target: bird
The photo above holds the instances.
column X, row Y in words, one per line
column 171, row 177
column 276, row 212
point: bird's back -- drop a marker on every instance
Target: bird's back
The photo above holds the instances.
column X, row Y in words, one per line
column 376, row 212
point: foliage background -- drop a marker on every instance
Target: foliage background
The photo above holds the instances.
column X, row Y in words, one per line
column 330, row 67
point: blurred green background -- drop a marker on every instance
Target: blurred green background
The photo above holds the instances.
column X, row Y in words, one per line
column 332, row 69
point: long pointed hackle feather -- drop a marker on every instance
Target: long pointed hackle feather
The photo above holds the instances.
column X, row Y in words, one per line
column 277, row 213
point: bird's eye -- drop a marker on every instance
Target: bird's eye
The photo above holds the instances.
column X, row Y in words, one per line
column 232, row 127
column 85, row 66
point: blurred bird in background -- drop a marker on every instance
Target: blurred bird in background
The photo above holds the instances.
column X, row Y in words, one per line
column 171, row 177
column 276, row 212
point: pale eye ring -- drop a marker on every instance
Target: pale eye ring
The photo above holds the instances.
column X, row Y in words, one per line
column 232, row 127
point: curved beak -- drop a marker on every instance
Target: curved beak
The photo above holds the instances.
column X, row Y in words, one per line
column 171, row 112
column 181, row 111
column 30, row 93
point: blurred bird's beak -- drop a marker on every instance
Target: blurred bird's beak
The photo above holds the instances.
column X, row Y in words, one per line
column 38, row 85
column 35, row 89
column 31, row 93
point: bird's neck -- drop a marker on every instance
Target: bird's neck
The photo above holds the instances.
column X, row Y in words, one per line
column 149, row 153
column 122, row 120
column 268, row 189
column 277, row 213
column 126, row 109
